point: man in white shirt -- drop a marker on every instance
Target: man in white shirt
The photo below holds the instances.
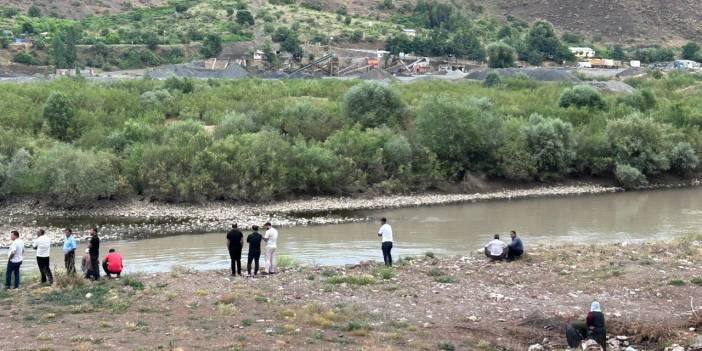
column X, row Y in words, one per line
column 496, row 249
column 43, row 246
column 385, row 232
column 14, row 260
column 271, row 239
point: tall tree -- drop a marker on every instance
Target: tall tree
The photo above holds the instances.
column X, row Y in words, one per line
column 58, row 113
column 691, row 51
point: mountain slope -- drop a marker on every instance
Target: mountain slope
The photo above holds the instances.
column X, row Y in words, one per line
column 626, row 22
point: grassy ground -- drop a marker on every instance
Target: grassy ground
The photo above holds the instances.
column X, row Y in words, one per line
column 423, row 303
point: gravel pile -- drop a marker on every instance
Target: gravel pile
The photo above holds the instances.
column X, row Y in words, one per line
column 198, row 70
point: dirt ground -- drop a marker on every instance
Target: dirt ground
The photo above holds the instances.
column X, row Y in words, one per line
column 651, row 293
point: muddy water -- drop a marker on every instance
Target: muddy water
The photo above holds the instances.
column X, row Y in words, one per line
column 453, row 229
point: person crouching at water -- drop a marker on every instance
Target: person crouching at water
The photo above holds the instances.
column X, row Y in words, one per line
column 516, row 247
column 596, row 325
column 385, row 234
column 254, row 240
column 496, row 249
column 235, row 241
column 43, row 246
column 271, row 239
column 112, row 264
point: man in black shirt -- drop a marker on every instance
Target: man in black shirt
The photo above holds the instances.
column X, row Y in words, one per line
column 94, row 250
column 254, row 240
column 235, row 240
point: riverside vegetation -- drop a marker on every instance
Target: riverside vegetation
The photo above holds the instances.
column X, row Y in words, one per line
column 186, row 141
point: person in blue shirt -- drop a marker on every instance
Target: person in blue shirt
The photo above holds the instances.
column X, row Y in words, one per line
column 69, row 251
column 515, row 248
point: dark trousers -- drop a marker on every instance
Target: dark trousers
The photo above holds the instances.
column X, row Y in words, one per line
column 69, row 260
column 45, row 270
column 108, row 272
column 94, row 272
column 496, row 258
column 387, row 256
column 514, row 254
column 235, row 256
column 253, row 257
column 12, row 269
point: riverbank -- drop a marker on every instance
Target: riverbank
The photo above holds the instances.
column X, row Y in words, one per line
column 650, row 293
column 141, row 219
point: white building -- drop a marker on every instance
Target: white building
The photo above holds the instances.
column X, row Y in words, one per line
column 582, row 52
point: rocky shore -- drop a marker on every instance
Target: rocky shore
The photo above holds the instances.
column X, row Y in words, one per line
column 651, row 295
column 141, row 219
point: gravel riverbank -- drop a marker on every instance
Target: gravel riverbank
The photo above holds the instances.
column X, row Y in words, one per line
column 142, row 219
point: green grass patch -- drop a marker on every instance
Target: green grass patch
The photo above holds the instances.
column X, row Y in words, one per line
column 435, row 272
column 430, row 254
column 677, row 282
column 132, row 281
column 444, row 279
column 696, row 280
column 384, row 273
column 446, row 346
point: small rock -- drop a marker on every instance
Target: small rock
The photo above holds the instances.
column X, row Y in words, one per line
column 536, row 347
column 622, row 337
column 630, row 348
column 88, row 295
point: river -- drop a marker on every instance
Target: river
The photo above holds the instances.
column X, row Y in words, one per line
column 444, row 230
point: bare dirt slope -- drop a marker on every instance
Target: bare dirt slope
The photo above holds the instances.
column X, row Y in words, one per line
column 622, row 21
column 80, row 8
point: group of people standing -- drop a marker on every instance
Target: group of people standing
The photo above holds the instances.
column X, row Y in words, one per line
column 235, row 244
column 111, row 264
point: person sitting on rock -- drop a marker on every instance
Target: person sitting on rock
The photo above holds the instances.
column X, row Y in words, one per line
column 496, row 249
column 516, row 247
column 596, row 325
column 112, row 264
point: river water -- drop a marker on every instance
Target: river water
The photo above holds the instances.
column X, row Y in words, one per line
column 444, row 230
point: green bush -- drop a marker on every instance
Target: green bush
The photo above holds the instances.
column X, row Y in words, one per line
column 24, row 58
column 234, row 124
column 184, row 85
column 640, row 142
column 58, row 113
column 74, row 177
column 552, row 143
column 629, row 177
column 582, row 96
column 456, row 130
column 492, row 79
column 374, row 105
column 500, row 55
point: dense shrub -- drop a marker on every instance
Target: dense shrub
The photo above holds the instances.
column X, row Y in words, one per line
column 58, row 114
column 492, row 79
column 311, row 119
column 552, row 145
column 640, row 142
column 642, row 100
column 72, row 176
column 629, row 177
column 683, row 158
column 235, row 123
column 373, row 105
column 24, row 58
column 184, row 85
column 582, row 96
column 500, row 55
column 462, row 133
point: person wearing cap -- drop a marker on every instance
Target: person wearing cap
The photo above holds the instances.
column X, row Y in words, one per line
column 69, row 251
column 235, row 242
column 14, row 260
column 271, row 238
column 112, row 264
column 43, row 246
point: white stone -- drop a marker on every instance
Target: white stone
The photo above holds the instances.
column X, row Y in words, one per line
column 536, row 347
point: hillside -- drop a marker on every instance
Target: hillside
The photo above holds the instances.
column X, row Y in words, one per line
column 79, row 8
column 626, row 22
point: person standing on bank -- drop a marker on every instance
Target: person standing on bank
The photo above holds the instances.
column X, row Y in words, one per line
column 254, row 240
column 69, row 251
column 43, row 246
column 235, row 241
column 14, row 260
column 94, row 249
column 271, row 238
column 385, row 232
